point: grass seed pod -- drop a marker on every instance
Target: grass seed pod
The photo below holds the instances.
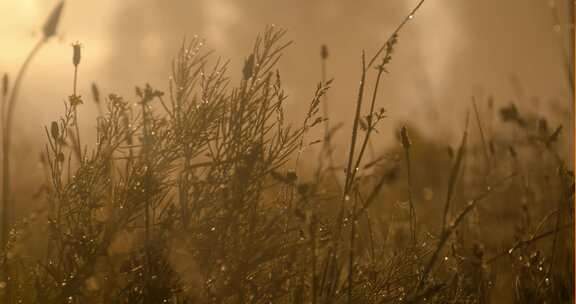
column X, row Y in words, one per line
column 95, row 93
column 51, row 24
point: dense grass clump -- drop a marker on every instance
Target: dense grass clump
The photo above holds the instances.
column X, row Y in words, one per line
column 195, row 195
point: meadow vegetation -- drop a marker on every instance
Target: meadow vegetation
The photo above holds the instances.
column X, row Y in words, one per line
column 195, row 195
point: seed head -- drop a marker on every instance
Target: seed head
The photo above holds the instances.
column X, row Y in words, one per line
column 95, row 93
column 51, row 24
column 5, row 85
column 54, row 131
column 404, row 137
column 248, row 67
column 324, row 52
column 76, row 54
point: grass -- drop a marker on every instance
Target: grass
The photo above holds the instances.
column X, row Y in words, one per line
column 196, row 195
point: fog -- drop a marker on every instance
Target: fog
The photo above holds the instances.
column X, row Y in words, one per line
column 449, row 52
column 230, row 203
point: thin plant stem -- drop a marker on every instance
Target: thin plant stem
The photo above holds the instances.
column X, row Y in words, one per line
column 371, row 122
column 408, row 17
column 351, row 257
column 529, row 241
column 327, row 143
column 448, row 230
column 76, row 127
column 454, row 176
column 147, row 218
column 566, row 47
column 482, row 137
column 558, row 224
column 345, row 194
column 7, row 140
column 349, row 168
column 7, row 204
column 410, row 196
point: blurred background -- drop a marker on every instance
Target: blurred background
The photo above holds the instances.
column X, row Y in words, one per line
column 514, row 50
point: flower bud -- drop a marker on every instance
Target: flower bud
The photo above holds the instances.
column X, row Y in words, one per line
column 77, row 55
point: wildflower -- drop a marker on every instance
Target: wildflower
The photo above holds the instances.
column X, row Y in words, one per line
column 51, row 24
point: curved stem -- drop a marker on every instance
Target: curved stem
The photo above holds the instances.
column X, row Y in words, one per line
column 398, row 28
column 6, row 141
column 7, row 118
